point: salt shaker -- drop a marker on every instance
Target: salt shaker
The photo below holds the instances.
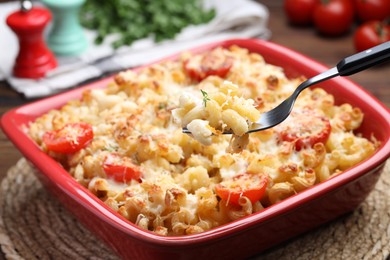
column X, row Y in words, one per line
column 34, row 58
column 66, row 37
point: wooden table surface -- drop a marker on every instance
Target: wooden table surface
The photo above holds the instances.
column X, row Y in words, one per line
column 305, row 40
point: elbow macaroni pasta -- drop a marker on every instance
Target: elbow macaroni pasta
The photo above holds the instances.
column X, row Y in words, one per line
column 218, row 111
column 139, row 116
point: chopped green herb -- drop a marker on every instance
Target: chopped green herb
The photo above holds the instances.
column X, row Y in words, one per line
column 205, row 97
column 110, row 148
column 136, row 19
column 162, row 105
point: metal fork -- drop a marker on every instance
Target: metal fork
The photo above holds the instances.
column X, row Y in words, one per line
column 347, row 66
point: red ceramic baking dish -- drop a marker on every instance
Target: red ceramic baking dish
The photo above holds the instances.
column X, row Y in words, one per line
column 244, row 237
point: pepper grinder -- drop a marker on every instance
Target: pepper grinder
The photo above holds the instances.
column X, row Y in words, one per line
column 66, row 37
column 34, row 58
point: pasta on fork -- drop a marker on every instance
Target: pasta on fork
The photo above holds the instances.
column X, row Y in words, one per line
column 219, row 109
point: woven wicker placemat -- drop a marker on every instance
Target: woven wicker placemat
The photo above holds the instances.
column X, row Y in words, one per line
column 33, row 225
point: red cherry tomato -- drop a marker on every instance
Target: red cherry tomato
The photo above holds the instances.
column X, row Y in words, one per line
column 368, row 10
column 333, row 17
column 214, row 63
column 304, row 128
column 249, row 185
column 121, row 169
column 69, row 139
column 300, row 12
column 370, row 34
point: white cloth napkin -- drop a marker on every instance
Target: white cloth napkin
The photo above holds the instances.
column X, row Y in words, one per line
column 234, row 19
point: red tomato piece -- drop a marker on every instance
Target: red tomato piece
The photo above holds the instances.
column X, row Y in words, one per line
column 69, row 139
column 121, row 169
column 300, row 12
column 368, row 10
column 371, row 34
column 249, row 185
column 333, row 17
column 304, row 128
column 214, row 63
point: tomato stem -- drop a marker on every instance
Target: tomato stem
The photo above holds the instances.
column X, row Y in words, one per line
column 380, row 30
column 386, row 22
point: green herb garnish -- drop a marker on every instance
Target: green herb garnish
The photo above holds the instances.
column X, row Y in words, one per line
column 205, row 97
column 162, row 105
column 110, row 148
column 136, row 19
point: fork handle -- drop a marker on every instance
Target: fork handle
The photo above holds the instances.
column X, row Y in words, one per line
column 365, row 59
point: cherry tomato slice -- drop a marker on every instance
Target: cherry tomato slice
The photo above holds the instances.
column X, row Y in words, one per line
column 121, row 169
column 305, row 128
column 69, row 139
column 214, row 63
column 249, row 185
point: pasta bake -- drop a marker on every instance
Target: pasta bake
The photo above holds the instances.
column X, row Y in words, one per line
column 123, row 144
